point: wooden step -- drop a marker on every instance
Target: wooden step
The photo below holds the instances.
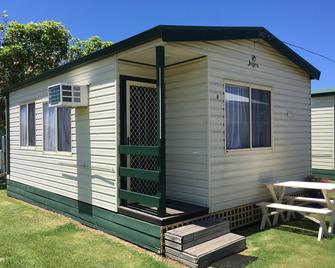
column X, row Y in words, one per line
column 190, row 235
column 208, row 252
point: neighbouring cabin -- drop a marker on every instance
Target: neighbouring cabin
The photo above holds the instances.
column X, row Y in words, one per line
column 323, row 144
column 178, row 122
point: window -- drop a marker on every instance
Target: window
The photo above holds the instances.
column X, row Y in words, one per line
column 237, row 117
column 27, row 125
column 56, row 128
column 261, row 118
column 248, row 117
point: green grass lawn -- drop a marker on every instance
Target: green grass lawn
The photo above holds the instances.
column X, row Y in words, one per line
column 32, row 237
column 293, row 244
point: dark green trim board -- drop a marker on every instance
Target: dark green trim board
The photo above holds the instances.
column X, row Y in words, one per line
column 123, row 131
column 139, row 232
column 166, row 66
column 324, row 173
column 172, row 33
column 149, row 175
column 148, row 200
column 136, row 62
column 184, row 61
column 160, row 76
column 139, row 150
column 7, row 117
column 323, row 94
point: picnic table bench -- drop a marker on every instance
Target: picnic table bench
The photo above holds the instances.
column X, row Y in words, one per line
column 279, row 208
column 322, row 212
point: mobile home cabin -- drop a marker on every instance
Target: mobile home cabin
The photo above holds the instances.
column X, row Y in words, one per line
column 323, row 144
column 174, row 123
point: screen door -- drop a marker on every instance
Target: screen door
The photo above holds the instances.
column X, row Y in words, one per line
column 142, row 115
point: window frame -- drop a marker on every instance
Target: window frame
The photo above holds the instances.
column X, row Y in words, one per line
column 56, row 152
column 250, row 86
column 27, row 146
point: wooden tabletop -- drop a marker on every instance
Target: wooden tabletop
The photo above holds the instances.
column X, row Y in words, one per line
column 306, row 185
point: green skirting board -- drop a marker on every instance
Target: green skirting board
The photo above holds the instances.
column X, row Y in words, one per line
column 139, row 232
column 324, row 173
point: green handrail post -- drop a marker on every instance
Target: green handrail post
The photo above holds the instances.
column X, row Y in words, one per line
column 160, row 70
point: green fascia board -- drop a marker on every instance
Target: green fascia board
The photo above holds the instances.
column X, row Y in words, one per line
column 172, row 33
column 324, row 94
column 149, row 200
column 137, row 231
column 148, row 175
column 139, row 150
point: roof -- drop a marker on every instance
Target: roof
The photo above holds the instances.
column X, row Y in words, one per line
column 169, row 33
column 323, row 92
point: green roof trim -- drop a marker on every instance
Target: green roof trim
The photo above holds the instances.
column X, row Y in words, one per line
column 171, row 33
column 323, row 92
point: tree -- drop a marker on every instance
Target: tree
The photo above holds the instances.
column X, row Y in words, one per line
column 80, row 48
column 26, row 50
column 29, row 49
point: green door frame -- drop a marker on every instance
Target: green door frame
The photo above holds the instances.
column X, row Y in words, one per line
column 157, row 176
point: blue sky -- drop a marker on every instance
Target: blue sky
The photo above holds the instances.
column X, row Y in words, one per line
column 309, row 24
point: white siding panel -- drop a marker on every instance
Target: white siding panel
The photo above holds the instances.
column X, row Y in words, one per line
column 186, row 132
column 136, row 70
column 89, row 172
column 323, row 132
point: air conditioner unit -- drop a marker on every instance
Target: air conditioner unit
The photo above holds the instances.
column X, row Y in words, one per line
column 66, row 95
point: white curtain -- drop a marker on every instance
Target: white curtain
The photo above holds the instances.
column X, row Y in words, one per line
column 237, row 117
column 64, row 129
column 49, row 126
column 31, row 124
column 23, row 125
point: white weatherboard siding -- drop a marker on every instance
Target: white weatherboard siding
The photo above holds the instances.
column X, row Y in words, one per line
column 89, row 172
column 323, row 132
column 136, row 70
column 186, row 132
column 235, row 177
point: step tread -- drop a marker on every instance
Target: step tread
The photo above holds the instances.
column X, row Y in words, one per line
column 196, row 240
column 197, row 230
column 210, row 246
column 208, row 252
column 195, row 227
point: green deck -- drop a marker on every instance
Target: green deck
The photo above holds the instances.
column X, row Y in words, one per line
column 139, row 232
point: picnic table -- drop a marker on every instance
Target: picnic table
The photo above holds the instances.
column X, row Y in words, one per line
column 280, row 207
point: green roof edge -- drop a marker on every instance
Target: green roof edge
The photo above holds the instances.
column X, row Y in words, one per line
column 323, row 94
column 174, row 33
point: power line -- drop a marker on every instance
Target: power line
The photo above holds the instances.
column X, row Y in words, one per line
column 310, row 51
